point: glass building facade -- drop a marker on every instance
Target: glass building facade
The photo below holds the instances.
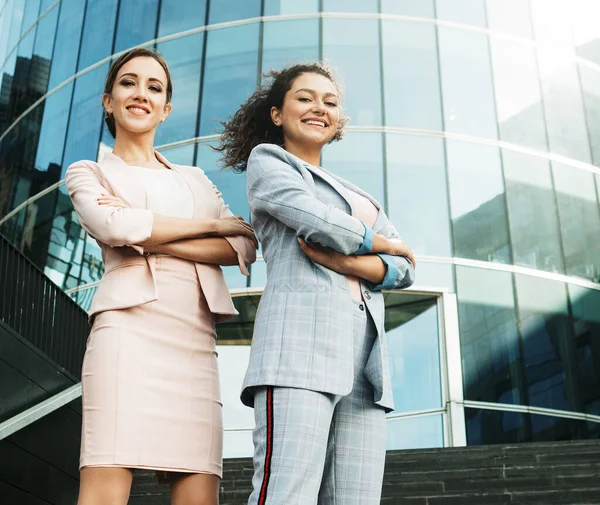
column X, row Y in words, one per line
column 475, row 122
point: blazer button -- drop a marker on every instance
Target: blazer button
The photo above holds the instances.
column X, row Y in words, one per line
column 367, row 295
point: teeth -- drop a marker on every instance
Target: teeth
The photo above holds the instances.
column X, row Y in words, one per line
column 137, row 109
column 316, row 123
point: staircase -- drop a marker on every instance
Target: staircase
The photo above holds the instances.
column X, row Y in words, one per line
column 565, row 473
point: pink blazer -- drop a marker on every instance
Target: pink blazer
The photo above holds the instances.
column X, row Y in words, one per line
column 128, row 278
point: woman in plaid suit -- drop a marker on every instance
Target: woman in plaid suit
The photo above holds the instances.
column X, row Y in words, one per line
column 318, row 376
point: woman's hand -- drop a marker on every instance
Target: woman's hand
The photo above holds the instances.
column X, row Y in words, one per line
column 325, row 256
column 112, row 200
column 233, row 225
column 393, row 247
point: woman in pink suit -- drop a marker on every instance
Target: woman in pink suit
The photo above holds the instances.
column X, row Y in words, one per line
column 150, row 381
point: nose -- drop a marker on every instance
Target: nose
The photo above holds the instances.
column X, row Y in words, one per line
column 141, row 94
column 318, row 107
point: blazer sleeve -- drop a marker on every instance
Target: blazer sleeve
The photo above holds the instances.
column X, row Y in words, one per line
column 246, row 252
column 400, row 272
column 277, row 188
column 114, row 226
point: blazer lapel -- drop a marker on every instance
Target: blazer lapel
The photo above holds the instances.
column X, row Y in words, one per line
column 334, row 183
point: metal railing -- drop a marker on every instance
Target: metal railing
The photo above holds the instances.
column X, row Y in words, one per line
column 39, row 311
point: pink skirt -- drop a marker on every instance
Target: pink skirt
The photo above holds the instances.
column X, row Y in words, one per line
column 151, row 394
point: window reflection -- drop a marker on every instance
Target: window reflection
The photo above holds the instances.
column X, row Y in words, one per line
column 478, row 208
column 278, row 7
column 350, row 6
column 579, row 220
column 468, row 102
column 412, row 334
column 420, row 432
column 280, row 50
column 585, row 304
column 532, row 212
column 182, row 155
column 185, row 63
column 410, row 75
column 230, row 10
column 357, row 60
column 547, row 343
column 590, row 89
column 85, row 118
column 469, row 12
column 67, row 41
column 136, row 23
column 230, row 74
column 497, row 427
column 98, row 32
column 518, row 94
column 358, row 158
column 177, row 16
column 14, row 29
column 510, row 16
column 422, row 8
column 417, row 187
column 489, row 337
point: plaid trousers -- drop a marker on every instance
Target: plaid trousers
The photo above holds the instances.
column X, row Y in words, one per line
column 315, row 448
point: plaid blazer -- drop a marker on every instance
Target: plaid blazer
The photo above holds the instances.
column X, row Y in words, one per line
column 303, row 328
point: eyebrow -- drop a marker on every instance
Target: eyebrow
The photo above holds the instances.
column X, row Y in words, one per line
column 133, row 74
column 312, row 92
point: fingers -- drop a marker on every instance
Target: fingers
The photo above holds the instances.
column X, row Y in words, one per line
column 104, row 199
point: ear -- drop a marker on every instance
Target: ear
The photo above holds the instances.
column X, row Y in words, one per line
column 166, row 111
column 276, row 116
column 107, row 103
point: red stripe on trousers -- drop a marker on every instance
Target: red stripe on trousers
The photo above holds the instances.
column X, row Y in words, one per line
column 263, row 490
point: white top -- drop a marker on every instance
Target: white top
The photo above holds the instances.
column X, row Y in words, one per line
column 167, row 192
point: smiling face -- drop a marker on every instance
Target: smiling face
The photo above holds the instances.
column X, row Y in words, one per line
column 310, row 113
column 138, row 99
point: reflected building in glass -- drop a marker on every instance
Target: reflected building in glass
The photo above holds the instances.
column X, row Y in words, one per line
column 475, row 122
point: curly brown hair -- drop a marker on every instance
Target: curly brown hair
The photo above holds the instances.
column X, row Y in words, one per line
column 114, row 70
column 252, row 125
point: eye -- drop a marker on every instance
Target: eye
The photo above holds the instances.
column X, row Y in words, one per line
column 156, row 89
column 127, row 83
column 304, row 99
column 331, row 104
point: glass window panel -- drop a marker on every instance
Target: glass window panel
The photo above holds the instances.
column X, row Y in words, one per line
column 356, row 59
column 5, row 24
column 30, row 14
column 422, row 8
column 469, row 105
column 177, row 16
column 486, row 427
column 98, row 32
column 230, row 10
column 585, row 305
column 136, row 23
column 182, row 155
column 590, row 88
column 510, row 16
column 414, row 355
column 415, row 433
column 489, row 336
column 280, row 50
column 84, row 298
column 547, row 342
column 230, row 74
column 434, row 275
column 185, row 62
column 46, row 4
column 358, row 158
column 67, row 41
column 276, row 7
column 45, row 34
column 478, row 208
column 586, row 31
column 350, row 6
column 518, row 94
column 416, row 173
column 86, row 117
column 258, row 274
column 579, row 220
column 92, row 267
column 14, row 32
column 469, row 12
column 54, row 129
column 410, row 75
column 25, row 48
column 532, row 212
